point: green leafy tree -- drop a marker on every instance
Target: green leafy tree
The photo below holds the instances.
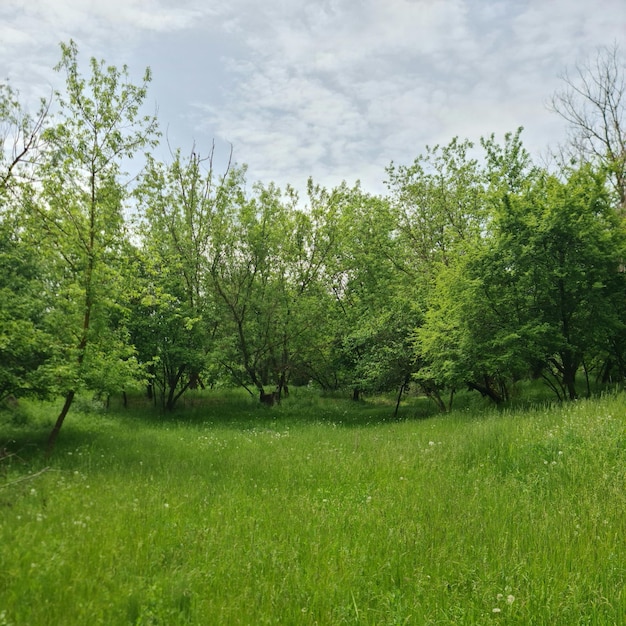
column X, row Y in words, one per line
column 440, row 211
column 24, row 344
column 541, row 293
column 561, row 243
column 372, row 318
column 174, row 322
column 79, row 214
column 247, row 273
column 299, row 298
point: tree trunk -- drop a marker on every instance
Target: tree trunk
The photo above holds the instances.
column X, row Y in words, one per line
column 69, row 398
column 486, row 390
column 169, row 404
column 570, row 367
column 403, row 388
column 435, row 396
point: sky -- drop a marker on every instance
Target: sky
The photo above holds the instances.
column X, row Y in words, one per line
column 329, row 89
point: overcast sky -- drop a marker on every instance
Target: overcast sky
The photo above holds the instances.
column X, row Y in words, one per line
column 333, row 89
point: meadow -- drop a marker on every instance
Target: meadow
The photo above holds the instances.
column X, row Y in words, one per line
column 318, row 511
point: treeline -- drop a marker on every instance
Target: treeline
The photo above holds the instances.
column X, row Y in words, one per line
column 477, row 268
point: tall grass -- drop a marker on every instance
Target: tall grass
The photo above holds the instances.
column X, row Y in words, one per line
column 316, row 512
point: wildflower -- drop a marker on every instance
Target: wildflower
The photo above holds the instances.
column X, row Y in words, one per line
column 495, row 610
column 510, row 599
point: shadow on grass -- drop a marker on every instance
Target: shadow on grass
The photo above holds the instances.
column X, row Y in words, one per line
column 237, row 409
column 25, row 430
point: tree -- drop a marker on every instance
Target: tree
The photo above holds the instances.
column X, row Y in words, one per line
column 300, row 299
column 79, row 215
column 371, row 316
column 562, row 244
column 440, row 212
column 24, row 344
column 174, row 322
column 459, row 339
column 593, row 103
column 539, row 290
column 20, row 140
column 247, row 273
column 546, row 285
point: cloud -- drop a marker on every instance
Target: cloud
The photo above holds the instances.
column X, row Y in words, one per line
column 335, row 88
column 32, row 30
column 348, row 84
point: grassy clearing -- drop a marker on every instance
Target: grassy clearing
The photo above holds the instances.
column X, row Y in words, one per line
column 316, row 512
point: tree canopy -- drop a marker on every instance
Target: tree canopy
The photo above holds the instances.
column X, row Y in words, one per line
column 477, row 269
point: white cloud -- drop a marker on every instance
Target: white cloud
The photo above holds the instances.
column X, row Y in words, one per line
column 334, row 88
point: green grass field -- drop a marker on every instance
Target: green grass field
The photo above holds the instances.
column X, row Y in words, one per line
column 320, row 511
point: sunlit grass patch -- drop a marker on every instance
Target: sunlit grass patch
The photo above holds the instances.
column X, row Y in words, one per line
column 268, row 516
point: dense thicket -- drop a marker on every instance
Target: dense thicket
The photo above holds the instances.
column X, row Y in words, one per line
column 478, row 268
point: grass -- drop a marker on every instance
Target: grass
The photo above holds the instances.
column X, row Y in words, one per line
column 316, row 512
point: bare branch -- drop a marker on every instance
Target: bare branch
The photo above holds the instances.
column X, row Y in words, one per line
column 593, row 103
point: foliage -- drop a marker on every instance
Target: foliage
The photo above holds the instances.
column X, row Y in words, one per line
column 78, row 217
column 25, row 344
column 477, row 269
column 21, row 144
column 174, row 320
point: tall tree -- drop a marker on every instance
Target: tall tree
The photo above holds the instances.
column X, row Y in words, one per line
column 560, row 245
column 175, row 331
column 24, row 344
column 370, row 316
column 593, row 103
column 440, row 210
column 540, row 294
column 80, row 214
column 247, row 267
